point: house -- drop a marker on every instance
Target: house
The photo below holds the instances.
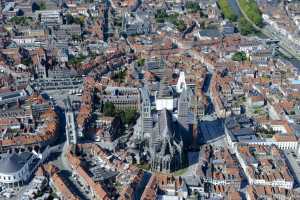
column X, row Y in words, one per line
column 209, row 34
column 49, row 17
column 256, row 101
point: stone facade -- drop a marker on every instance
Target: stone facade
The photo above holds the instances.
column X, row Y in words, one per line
column 165, row 148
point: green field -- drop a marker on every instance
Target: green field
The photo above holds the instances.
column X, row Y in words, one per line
column 252, row 11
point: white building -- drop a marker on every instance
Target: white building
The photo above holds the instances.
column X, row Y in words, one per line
column 181, row 84
column 23, row 40
column 15, row 169
column 164, row 98
column 49, row 17
column 166, row 102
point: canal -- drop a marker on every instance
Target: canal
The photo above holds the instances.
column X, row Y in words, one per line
column 235, row 7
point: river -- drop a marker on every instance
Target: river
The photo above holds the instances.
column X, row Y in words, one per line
column 235, row 7
column 295, row 62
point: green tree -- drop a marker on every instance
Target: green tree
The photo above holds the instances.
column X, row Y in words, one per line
column 74, row 20
column 180, row 25
column 160, row 16
column 42, row 6
column 76, row 60
column 35, row 7
column 21, row 20
column 109, row 109
column 79, row 20
column 245, row 27
column 239, row 56
column 38, row 6
column 192, row 7
column 26, row 61
column 141, row 62
column 128, row 116
column 69, row 19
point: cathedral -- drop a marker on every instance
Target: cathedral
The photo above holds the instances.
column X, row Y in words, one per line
column 165, row 148
column 164, row 132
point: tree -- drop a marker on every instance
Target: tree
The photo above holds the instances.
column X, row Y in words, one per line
column 109, row 109
column 38, row 6
column 79, row 20
column 192, row 7
column 43, row 6
column 174, row 46
column 239, row 56
column 161, row 15
column 141, row 62
column 128, row 116
column 245, row 27
column 20, row 13
column 26, row 61
column 74, row 20
column 69, row 19
column 180, row 25
column 35, row 7
column 76, row 60
column 21, row 20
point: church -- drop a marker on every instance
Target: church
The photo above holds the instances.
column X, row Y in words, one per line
column 165, row 130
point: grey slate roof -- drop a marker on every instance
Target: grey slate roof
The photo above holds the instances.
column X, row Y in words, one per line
column 11, row 163
column 165, row 124
column 210, row 33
